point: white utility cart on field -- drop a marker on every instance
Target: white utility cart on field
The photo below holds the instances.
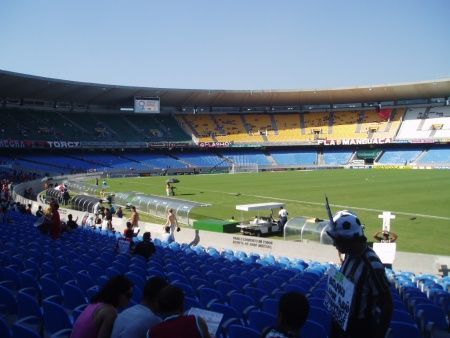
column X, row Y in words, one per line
column 264, row 223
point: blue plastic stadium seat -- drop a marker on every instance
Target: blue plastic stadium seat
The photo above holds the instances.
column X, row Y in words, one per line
column 4, row 329
column 313, row 329
column 238, row 331
column 8, row 303
column 28, row 306
column 73, row 296
column 242, row 303
column 208, row 296
column 259, row 320
column 56, row 317
column 403, row 330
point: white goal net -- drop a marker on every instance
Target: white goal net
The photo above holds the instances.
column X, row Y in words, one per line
column 244, row 168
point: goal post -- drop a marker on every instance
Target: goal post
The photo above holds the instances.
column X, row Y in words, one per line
column 244, row 168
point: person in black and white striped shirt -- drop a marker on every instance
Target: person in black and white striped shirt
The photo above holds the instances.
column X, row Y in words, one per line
column 371, row 309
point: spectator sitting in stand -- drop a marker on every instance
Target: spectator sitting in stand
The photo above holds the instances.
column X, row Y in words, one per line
column 39, row 212
column 98, row 317
column 119, row 212
column 136, row 320
column 71, row 224
column 28, row 209
column 129, row 231
column 146, row 248
column 293, row 309
column 167, row 237
column 176, row 324
column 126, row 244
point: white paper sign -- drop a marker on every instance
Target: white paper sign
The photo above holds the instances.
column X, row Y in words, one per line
column 338, row 298
column 123, row 246
column 385, row 251
column 211, row 318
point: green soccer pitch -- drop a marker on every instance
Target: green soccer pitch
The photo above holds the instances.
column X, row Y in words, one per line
column 420, row 199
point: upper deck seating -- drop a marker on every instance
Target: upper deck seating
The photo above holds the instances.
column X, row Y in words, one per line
column 425, row 123
column 259, row 124
column 345, row 125
column 203, row 126
column 44, row 125
column 316, row 125
column 381, row 125
column 234, row 129
column 288, row 128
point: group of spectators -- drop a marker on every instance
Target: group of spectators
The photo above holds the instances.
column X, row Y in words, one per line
column 161, row 313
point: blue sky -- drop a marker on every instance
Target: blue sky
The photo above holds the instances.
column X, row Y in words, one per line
column 228, row 44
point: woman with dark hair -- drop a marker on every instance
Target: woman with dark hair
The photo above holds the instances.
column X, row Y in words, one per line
column 97, row 319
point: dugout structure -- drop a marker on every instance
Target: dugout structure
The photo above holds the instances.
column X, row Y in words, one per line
column 85, row 203
column 158, row 206
column 307, row 229
column 56, row 194
column 82, row 187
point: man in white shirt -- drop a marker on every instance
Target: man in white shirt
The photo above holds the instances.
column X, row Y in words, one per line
column 136, row 320
column 282, row 217
column 167, row 237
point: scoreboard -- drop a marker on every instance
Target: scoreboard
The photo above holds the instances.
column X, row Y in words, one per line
column 147, row 105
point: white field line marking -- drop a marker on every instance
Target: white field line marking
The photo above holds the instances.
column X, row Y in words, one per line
column 312, row 203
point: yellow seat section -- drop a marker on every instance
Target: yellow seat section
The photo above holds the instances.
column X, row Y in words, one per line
column 344, row 125
column 204, row 127
column 288, row 128
column 234, row 129
column 374, row 125
column 259, row 124
column 316, row 126
column 279, row 128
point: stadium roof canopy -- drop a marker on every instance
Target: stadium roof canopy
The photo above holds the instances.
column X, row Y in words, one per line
column 22, row 86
